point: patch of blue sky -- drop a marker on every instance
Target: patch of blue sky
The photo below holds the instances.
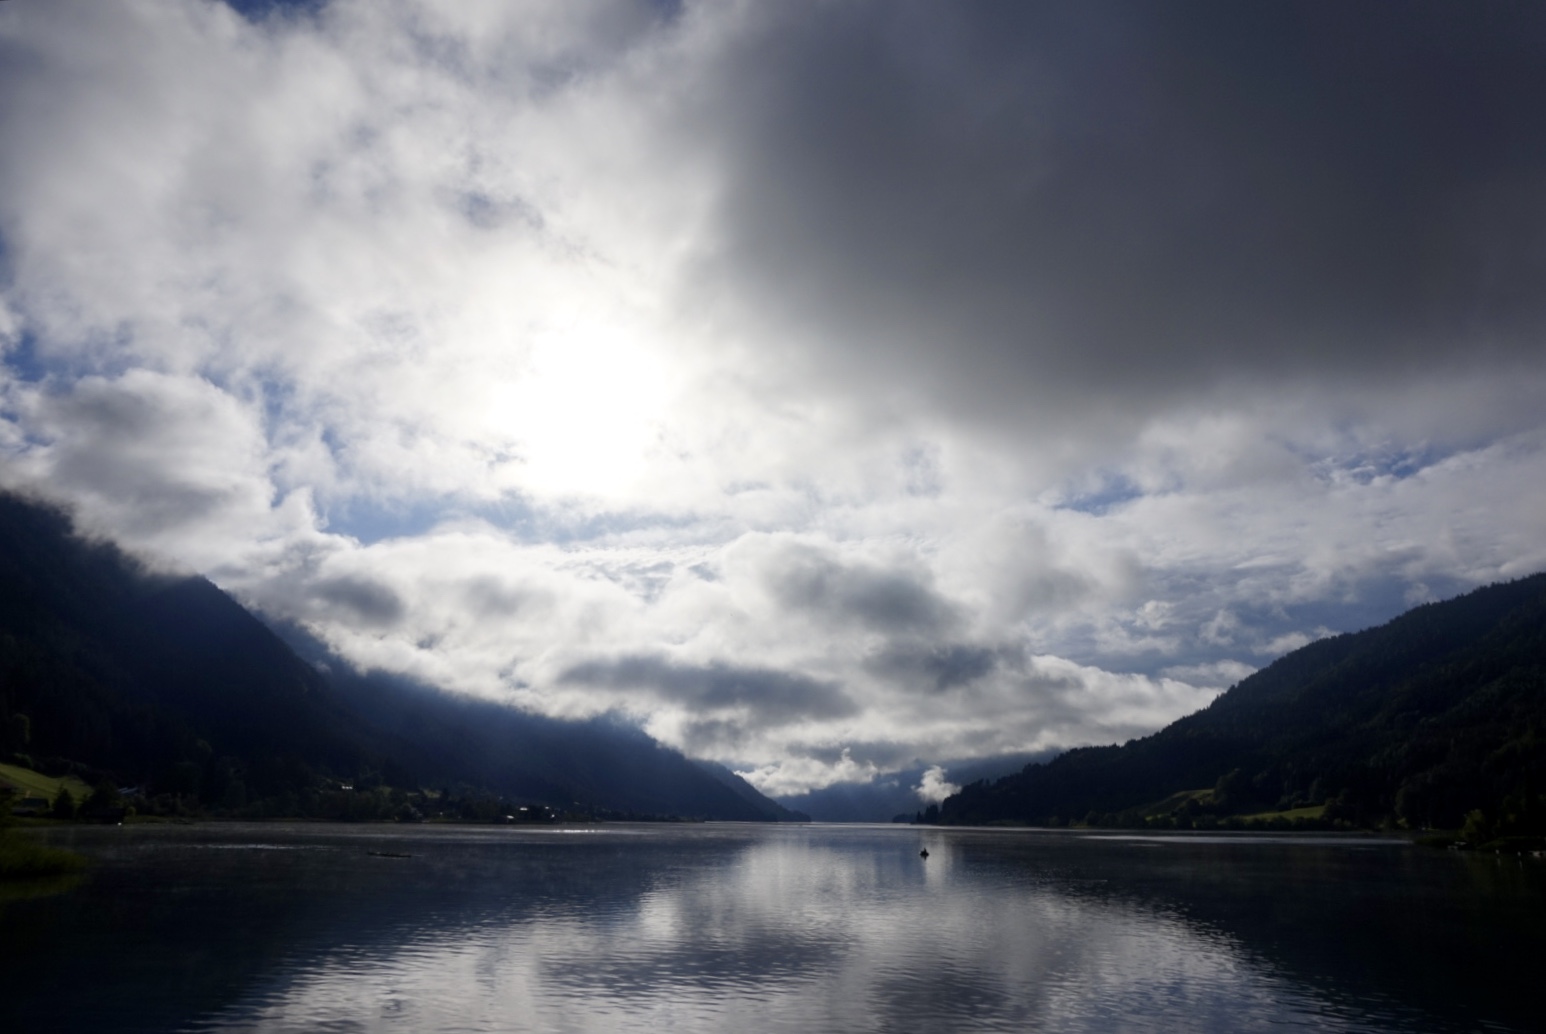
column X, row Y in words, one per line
column 564, row 527
column 24, row 365
column 1254, row 631
column 277, row 398
column 1377, row 599
column 1112, row 491
column 489, row 213
column 1369, row 465
column 1368, row 603
column 257, row 10
column 1407, row 462
column 21, row 356
column 370, row 521
column 1359, row 603
column 25, row 362
column 103, row 353
column 666, row 10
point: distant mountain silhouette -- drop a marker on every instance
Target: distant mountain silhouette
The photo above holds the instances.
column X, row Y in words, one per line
column 164, row 682
column 1424, row 720
column 895, row 794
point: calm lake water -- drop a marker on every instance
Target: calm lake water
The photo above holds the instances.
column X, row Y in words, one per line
column 768, row 928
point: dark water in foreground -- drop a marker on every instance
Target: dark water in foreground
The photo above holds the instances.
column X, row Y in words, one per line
column 733, row 927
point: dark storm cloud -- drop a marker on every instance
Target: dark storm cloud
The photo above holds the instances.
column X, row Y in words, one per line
column 711, row 736
column 989, row 201
column 813, row 582
column 942, row 667
column 365, row 600
column 774, row 696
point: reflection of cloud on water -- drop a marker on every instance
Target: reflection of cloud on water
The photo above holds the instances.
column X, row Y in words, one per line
column 798, row 932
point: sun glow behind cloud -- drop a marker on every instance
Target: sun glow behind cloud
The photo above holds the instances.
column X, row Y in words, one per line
column 730, row 370
column 586, row 415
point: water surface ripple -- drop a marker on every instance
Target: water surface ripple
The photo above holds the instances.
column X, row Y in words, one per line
column 291, row 928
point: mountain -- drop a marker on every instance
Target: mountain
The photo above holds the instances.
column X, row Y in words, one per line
column 1438, row 714
column 129, row 672
column 598, row 762
column 750, row 794
column 111, row 671
column 896, row 793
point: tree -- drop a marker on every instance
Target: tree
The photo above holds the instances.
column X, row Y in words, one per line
column 1229, row 791
column 1477, row 830
column 104, row 802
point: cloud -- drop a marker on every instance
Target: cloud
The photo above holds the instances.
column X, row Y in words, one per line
column 369, row 602
column 837, row 389
column 943, row 667
column 808, row 580
column 797, row 774
column 770, row 695
column 934, row 787
column 1040, row 217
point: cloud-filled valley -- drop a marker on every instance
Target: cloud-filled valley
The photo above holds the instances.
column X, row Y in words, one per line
column 832, row 388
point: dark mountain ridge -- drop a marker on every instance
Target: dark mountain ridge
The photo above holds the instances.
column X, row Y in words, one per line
column 1421, row 721
column 601, row 761
column 134, row 677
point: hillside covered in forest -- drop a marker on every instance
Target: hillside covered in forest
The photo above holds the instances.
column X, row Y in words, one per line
column 1435, row 717
column 128, row 678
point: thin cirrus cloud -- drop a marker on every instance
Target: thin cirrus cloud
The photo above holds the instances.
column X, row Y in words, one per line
column 834, row 388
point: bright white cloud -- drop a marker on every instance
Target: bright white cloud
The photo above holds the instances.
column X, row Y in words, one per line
column 934, row 787
column 477, row 338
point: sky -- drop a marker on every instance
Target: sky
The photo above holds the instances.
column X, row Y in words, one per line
column 832, row 387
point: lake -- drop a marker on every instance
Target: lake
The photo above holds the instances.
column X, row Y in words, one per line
column 729, row 927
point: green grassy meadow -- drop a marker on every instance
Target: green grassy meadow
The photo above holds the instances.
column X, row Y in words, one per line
column 1314, row 811
column 22, row 858
column 28, row 783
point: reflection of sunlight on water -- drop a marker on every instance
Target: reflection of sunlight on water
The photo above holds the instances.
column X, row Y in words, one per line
column 799, row 932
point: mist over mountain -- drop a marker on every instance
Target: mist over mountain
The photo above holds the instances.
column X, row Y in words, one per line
column 603, row 761
column 165, row 682
column 888, row 796
column 1421, row 721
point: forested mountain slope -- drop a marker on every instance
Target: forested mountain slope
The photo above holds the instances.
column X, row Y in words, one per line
column 165, row 682
column 150, row 677
column 601, row 762
column 1437, row 713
